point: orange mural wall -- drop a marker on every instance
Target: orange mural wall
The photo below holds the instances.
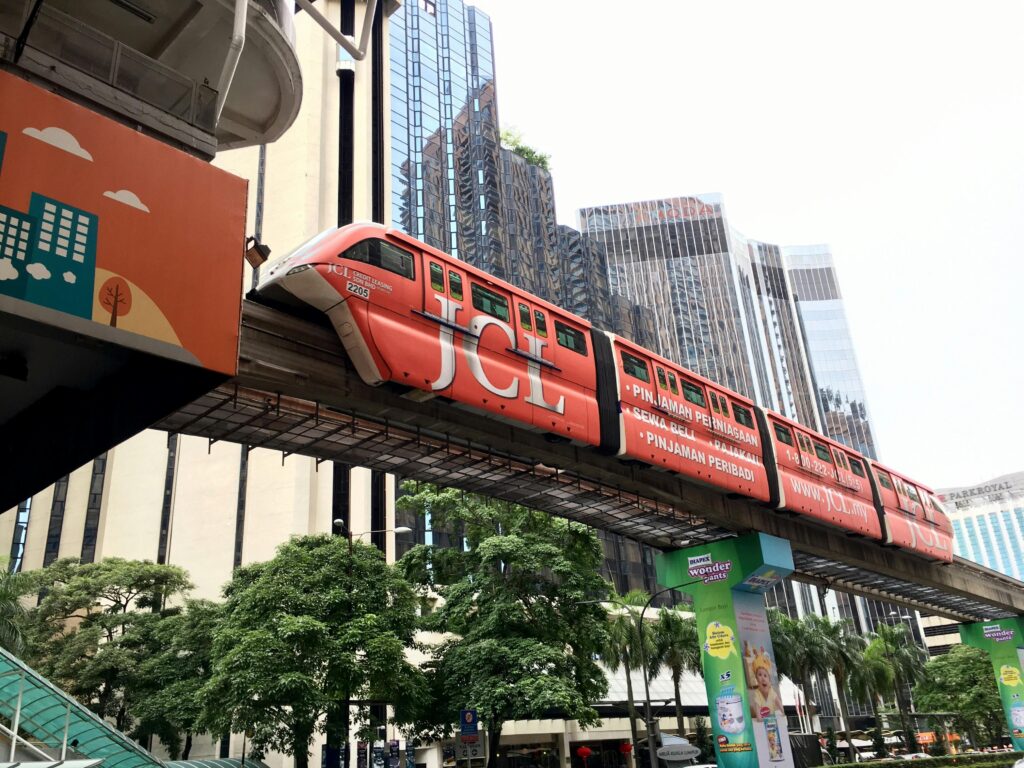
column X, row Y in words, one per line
column 102, row 223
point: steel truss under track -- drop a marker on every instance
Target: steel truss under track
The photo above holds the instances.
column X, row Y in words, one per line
column 256, row 418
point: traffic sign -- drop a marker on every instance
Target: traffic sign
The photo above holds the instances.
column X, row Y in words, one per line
column 469, row 731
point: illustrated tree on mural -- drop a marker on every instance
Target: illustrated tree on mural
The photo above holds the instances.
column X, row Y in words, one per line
column 116, row 297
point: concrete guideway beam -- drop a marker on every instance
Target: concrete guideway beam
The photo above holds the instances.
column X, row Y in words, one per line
column 298, row 371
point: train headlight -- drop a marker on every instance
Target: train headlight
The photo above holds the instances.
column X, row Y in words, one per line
column 300, row 268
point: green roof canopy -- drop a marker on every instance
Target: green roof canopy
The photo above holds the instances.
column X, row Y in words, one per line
column 45, row 712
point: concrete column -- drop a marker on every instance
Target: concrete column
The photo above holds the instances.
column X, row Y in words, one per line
column 727, row 580
column 1004, row 641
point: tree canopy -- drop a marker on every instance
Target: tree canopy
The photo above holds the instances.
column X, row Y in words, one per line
column 324, row 622
column 521, row 629
column 513, row 140
column 93, row 627
column 962, row 681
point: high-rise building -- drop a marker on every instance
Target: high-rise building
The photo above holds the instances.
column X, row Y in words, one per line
column 988, row 523
column 838, row 389
column 681, row 256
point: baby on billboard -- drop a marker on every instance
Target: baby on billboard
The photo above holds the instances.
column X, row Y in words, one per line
column 762, row 682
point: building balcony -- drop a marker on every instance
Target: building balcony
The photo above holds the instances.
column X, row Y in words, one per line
column 159, row 64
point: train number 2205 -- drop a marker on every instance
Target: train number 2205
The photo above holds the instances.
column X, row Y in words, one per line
column 358, row 290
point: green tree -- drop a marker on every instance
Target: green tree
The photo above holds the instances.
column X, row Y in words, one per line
column 170, row 680
column 89, row 634
column 869, row 681
column 908, row 661
column 799, row 653
column 677, row 647
column 513, row 140
column 622, row 647
column 13, row 587
column 702, row 740
column 961, row 681
column 844, row 649
column 323, row 622
column 521, row 627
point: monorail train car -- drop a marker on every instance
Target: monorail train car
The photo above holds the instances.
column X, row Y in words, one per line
column 414, row 317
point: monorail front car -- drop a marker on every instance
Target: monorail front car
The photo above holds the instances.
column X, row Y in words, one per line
column 414, row 316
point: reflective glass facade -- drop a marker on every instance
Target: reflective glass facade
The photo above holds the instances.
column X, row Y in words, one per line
column 445, row 153
column 988, row 523
column 839, row 391
column 680, row 257
column 791, row 392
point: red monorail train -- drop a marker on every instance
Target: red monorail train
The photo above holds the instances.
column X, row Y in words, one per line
column 414, row 316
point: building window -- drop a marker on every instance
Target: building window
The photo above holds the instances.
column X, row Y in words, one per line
column 92, row 510
column 56, row 524
column 20, row 534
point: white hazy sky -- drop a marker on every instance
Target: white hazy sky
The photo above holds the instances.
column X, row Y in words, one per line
column 893, row 131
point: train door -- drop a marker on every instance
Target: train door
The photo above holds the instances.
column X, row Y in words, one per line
column 495, row 379
column 444, row 309
column 549, row 387
column 638, row 405
column 388, row 279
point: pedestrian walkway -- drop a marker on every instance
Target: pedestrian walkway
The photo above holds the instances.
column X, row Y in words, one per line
column 47, row 724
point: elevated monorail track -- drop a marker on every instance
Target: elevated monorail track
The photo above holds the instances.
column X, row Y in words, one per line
column 296, row 393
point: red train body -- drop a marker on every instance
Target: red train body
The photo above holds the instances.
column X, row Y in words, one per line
column 414, row 316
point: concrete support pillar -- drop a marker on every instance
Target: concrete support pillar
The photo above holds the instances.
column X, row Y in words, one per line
column 727, row 580
column 1004, row 641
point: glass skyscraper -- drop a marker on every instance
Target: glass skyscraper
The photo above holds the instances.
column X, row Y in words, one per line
column 837, row 386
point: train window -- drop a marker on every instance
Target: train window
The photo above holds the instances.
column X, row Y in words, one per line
column 455, row 285
column 714, row 403
column 857, row 467
column 570, row 338
column 725, row 406
column 524, row 318
column 436, row 277
column 488, row 301
column 672, row 383
column 840, row 458
column 884, row 480
column 743, row 416
column 542, row 323
column 694, row 394
column 912, row 493
column 377, row 253
column 822, row 452
column 635, row 367
column 662, row 379
column 783, row 434
column 805, row 444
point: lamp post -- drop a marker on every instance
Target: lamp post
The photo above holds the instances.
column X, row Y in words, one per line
column 348, row 534
column 639, row 620
column 343, row 530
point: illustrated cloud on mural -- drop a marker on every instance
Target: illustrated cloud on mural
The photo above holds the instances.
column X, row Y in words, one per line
column 70, row 277
column 128, row 198
column 7, row 270
column 38, row 271
column 59, row 138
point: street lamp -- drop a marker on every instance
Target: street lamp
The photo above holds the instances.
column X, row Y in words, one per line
column 340, row 525
column 648, row 719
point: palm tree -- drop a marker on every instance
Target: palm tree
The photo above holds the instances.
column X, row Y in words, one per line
column 678, row 648
column 622, row 648
column 844, row 651
column 13, row 586
column 907, row 661
column 799, row 653
column 869, row 680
